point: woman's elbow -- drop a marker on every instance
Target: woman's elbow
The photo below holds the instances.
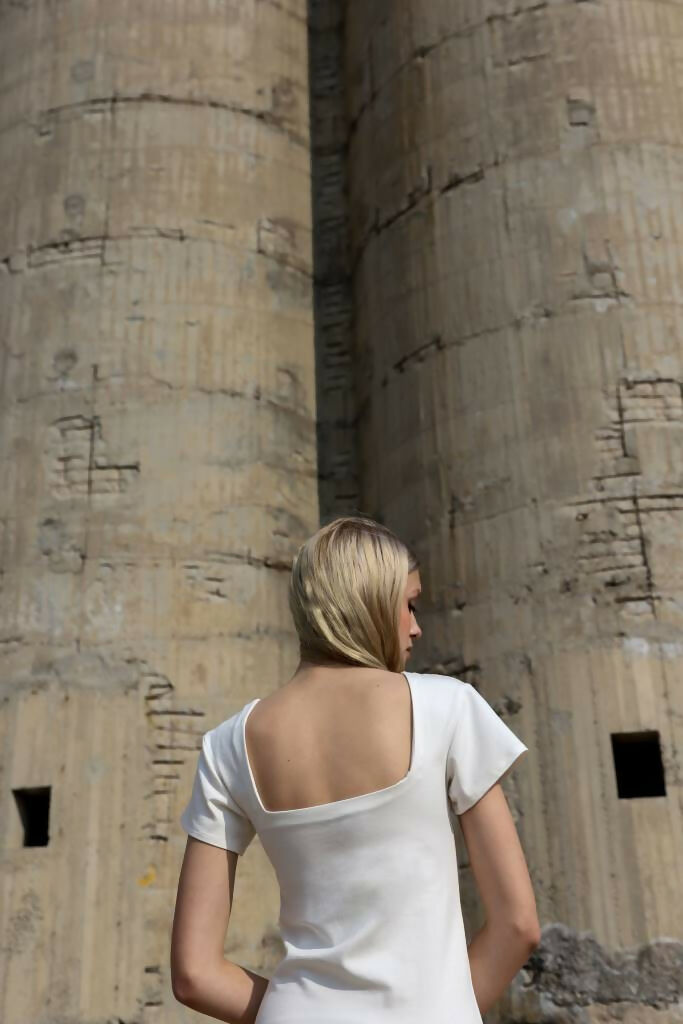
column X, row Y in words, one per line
column 182, row 987
column 530, row 931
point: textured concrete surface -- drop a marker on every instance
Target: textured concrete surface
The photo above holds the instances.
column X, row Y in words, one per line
column 158, row 462
column 515, row 197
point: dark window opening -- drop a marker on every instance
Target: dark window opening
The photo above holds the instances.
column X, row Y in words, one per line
column 34, row 810
column 638, row 764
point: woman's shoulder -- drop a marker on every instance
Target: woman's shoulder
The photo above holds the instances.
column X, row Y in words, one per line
column 224, row 737
column 440, row 684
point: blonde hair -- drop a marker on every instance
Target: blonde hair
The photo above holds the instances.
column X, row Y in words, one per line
column 345, row 593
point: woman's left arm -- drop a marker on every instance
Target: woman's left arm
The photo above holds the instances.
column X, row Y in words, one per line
column 201, row 976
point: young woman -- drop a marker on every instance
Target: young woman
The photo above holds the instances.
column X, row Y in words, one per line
column 352, row 774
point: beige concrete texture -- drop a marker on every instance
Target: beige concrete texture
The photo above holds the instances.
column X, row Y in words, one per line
column 157, row 457
column 516, row 220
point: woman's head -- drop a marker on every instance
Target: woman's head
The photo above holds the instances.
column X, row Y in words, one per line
column 351, row 595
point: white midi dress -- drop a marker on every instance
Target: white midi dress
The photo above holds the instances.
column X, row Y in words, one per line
column 370, row 912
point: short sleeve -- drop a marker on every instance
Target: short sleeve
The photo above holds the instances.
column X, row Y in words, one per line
column 212, row 813
column 482, row 749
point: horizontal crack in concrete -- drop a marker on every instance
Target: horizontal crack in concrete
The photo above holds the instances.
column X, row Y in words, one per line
column 90, row 247
column 424, row 189
column 104, row 104
column 239, row 557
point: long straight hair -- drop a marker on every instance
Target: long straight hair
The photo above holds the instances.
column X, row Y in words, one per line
column 345, row 593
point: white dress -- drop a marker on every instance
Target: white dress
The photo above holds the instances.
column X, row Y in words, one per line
column 370, row 911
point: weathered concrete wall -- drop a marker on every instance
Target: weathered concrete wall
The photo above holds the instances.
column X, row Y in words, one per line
column 515, row 197
column 158, row 466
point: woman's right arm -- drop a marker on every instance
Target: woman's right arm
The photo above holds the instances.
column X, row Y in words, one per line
column 511, row 930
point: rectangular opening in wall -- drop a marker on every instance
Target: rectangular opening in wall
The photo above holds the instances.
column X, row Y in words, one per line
column 638, row 764
column 33, row 805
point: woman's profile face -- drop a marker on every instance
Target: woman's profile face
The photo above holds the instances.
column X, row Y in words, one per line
column 408, row 627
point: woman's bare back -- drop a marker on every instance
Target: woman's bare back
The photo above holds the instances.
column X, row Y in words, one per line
column 330, row 735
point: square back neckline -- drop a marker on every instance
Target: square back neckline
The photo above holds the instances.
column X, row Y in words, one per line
column 346, row 801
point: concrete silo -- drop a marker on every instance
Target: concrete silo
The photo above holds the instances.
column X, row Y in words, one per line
column 515, row 202
column 158, row 461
